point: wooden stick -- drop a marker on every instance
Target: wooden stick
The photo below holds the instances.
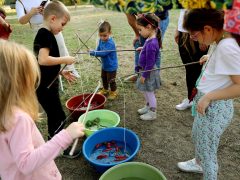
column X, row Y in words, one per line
column 167, row 67
column 87, row 48
column 57, row 76
column 89, row 103
column 115, row 50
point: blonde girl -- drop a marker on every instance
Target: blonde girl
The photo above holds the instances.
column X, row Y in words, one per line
column 23, row 152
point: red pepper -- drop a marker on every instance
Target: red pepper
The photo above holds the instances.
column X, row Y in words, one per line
column 102, row 156
column 113, row 142
column 98, row 145
column 108, row 145
column 120, row 157
column 108, row 149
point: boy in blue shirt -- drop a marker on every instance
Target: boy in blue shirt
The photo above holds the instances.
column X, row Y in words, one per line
column 107, row 51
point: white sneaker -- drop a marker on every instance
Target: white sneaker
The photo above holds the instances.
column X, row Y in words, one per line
column 143, row 110
column 190, row 166
column 150, row 115
column 75, row 73
column 184, row 105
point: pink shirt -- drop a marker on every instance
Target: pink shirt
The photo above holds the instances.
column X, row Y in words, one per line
column 24, row 154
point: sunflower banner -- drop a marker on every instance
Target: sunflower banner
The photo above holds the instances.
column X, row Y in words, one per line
column 143, row 6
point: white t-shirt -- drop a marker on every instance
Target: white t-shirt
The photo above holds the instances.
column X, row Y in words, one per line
column 29, row 4
column 180, row 21
column 223, row 62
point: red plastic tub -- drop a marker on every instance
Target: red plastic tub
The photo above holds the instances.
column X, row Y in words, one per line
column 77, row 105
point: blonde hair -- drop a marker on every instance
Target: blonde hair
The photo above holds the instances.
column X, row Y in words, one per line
column 56, row 8
column 19, row 77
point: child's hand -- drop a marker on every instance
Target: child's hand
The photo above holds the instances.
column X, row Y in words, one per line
column 203, row 59
column 139, row 48
column 92, row 53
column 202, row 105
column 69, row 60
column 138, row 68
column 68, row 75
column 75, row 130
column 142, row 79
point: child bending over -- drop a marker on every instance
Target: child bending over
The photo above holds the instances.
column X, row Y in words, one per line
column 56, row 16
column 148, row 82
column 109, row 60
column 218, row 84
column 24, row 154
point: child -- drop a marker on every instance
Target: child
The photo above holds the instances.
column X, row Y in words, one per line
column 24, row 154
column 218, row 84
column 109, row 60
column 148, row 82
column 31, row 11
column 5, row 28
column 46, row 50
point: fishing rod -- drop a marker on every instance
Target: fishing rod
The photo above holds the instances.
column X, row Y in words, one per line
column 114, row 50
column 57, row 76
column 85, row 115
column 155, row 69
column 84, row 44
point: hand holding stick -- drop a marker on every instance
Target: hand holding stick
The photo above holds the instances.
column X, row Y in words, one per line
column 89, row 104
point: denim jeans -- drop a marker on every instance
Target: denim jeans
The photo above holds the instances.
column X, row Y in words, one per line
column 163, row 26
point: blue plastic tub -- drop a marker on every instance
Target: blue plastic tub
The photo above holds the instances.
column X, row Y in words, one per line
column 109, row 134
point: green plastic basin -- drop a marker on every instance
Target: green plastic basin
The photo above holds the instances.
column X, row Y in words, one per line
column 107, row 118
column 133, row 171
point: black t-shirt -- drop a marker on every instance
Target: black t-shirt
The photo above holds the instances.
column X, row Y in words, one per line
column 46, row 39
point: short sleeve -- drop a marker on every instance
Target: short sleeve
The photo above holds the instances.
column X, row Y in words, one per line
column 228, row 58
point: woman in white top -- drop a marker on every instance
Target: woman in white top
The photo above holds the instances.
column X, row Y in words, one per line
column 190, row 51
column 217, row 85
column 31, row 11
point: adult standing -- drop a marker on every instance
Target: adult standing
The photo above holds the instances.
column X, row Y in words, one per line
column 190, row 51
column 139, row 41
column 30, row 11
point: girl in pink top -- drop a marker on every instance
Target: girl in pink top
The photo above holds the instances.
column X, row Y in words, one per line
column 24, row 154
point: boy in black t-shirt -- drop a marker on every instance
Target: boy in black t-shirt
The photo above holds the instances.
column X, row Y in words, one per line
column 56, row 16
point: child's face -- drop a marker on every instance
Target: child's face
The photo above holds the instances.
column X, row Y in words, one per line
column 144, row 31
column 206, row 36
column 104, row 36
column 57, row 24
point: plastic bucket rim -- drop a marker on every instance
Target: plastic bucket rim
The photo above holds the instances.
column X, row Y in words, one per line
column 92, row 111
column 134, row 163
column 113, row 164
column 72, row 109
